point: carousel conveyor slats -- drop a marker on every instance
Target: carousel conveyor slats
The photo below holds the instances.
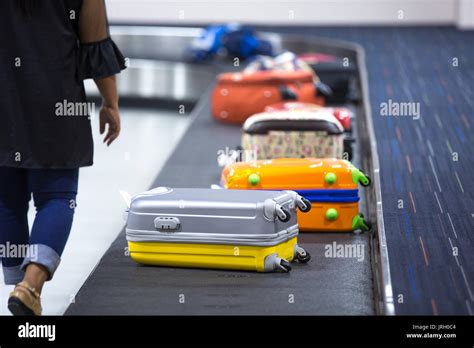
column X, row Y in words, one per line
column 324, row 286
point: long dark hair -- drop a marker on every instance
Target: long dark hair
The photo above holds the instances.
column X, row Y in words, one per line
column 28, row 7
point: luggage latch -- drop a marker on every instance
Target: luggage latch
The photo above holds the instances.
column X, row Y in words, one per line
column 164, row 223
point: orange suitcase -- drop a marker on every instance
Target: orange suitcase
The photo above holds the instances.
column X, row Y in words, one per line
column 330, row 184
column 237, row 96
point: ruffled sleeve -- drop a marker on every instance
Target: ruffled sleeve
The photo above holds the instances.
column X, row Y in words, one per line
column 100, row 59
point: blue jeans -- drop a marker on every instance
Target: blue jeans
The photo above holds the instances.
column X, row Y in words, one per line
column 54, row 193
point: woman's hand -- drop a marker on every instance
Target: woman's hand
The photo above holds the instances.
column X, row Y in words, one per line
column 109, row 115
column 109, row 112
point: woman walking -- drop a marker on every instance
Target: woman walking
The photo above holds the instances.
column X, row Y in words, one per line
column 47, row 49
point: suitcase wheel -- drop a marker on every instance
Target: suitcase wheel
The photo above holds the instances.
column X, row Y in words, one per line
column 302, row 255
column 367, row 223
column 285, row 265
column 365, row 179
column 358, row 176
column 304, row 205
column 366, row 182
column 274, row 263
column 283, row 214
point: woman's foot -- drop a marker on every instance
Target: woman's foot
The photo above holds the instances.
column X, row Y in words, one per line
column 24, row 300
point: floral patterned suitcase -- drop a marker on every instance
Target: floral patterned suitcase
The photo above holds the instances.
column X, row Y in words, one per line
column 299, row 133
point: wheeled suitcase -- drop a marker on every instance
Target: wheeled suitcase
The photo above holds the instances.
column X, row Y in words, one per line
column 331, row 185
column 206, row 228
column 287, row 61
column 237, row 96
column 237, row 40
column 343, row 115
column 339, row 73
column 297, row 133
column 244, row 42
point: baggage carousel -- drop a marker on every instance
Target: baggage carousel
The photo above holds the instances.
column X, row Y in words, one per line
column 158, row 77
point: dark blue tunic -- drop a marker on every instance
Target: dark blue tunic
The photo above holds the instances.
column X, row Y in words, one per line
column 42, row 63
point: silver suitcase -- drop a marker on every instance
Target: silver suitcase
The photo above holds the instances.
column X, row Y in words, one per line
column 207, row 228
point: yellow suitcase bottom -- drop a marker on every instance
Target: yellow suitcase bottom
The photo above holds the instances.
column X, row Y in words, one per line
column 232, row 257
column 332, row 217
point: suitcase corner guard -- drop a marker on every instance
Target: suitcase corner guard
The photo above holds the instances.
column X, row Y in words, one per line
column 359, row 223
column 358, row 176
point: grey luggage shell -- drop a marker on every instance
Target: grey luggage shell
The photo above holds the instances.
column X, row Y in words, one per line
column 258, row 218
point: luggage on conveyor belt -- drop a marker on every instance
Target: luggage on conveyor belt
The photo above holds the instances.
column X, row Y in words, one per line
column 298, row 133
column 237, row 96
column 244, row 42
column 343, row 115
column 331, row 185
column 287, row 61
column 205, row 228
column 233, row 39
column 339, row 73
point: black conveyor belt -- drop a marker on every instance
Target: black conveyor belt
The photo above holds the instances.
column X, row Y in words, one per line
column 323, row 286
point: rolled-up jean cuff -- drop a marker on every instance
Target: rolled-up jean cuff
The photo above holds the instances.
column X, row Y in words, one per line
column 43, row 255
column 13, row 275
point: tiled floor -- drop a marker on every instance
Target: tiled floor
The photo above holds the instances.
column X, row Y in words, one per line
column 131, row 164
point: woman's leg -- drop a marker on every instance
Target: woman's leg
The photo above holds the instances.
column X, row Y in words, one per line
column 14, row 234
column 54, row 193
